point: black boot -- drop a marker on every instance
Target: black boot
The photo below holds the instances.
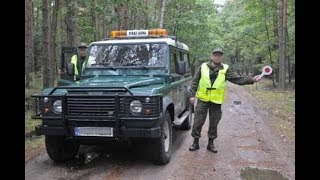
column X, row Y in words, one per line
column 195, row 145
column 211, row 146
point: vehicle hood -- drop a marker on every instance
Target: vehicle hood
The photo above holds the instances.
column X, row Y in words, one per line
column 146, row 85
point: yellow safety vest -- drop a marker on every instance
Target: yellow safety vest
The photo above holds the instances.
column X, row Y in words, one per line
column 216, row 92
column 74, row 60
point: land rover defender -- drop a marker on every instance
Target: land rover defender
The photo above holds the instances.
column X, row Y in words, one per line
column 133, row 85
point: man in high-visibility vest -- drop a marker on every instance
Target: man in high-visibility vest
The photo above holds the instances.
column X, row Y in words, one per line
column 79, row 59
column 209, row 86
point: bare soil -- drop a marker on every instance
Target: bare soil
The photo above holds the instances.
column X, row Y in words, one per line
column 246, row 138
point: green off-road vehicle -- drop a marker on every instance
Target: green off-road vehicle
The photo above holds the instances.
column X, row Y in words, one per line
column 133, row 86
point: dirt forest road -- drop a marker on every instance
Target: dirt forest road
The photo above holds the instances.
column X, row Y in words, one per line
column 245, row 139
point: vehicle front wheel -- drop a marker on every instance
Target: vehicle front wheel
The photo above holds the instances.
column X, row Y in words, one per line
column 162, row 145
column 60, row 149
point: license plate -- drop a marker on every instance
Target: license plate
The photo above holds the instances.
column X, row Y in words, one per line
column 93, row 131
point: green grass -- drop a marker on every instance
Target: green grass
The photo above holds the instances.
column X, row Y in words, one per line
column 249, row 173
column 33, row 145
column 35, row 87
column 280, row 104
column 30, row 123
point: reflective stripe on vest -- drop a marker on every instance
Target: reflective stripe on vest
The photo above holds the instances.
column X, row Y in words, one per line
column 216, row 92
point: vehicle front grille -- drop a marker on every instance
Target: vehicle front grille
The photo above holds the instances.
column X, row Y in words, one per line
column 95, row 107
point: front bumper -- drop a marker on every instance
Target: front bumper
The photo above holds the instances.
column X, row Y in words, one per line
column 122, row 132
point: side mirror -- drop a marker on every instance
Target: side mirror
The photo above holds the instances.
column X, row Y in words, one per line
column 181, row 67
column 70, row 69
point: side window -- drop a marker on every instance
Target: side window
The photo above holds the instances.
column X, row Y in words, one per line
column 187, row 60
column 172, row 62
column 179, row 56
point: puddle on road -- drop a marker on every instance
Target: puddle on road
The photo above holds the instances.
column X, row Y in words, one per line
column 249, row 173
column 85, row 160
column 237, row 102
column 93, row 156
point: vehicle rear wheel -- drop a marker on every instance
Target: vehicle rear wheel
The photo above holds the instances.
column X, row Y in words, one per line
column 162, row 145
column 59, row 149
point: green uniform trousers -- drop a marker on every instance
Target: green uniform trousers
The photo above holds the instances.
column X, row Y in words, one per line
column 200, row 115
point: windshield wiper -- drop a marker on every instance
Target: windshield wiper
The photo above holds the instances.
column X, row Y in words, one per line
column 143, row 67
column 110, row 67
column 134, row 67
column 106, row 66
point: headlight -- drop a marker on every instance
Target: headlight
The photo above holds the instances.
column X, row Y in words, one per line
column 57, row 106
column 46, row 99
column 136, row 106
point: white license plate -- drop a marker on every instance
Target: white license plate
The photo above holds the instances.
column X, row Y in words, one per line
column 93, row 131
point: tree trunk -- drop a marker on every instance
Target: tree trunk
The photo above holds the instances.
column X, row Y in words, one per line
column 104, row 33
column 282, row 44
column 250, row 72
column 288, row 58
column 155, row 13
column 242, row 66
column 238, row 61
column 268, row 39
column 277, row 74
column 289, row 69
column 163, row 9
column 134, row 20
column 94, row 19
column 46, row 43
column 37, row 41
column 145, row 13
column 126, row 16
column 117, row 12
column 29, row 58
column 53, row 39
column 71, row 23
column 246, row 67
column 63, row 24
column 275, row 45
column 293, row 71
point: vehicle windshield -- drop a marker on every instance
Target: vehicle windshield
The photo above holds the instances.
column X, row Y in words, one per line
column 134, row 55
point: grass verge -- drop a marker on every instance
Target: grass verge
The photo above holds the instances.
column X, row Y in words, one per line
column 33, row 145
column 279, row 104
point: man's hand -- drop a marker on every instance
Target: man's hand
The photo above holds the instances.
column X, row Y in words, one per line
column 192, row 100
column 256, row 78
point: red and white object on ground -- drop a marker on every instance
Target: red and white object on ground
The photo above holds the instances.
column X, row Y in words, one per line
column 266, row 70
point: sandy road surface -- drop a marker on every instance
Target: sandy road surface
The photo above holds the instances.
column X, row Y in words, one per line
column 244, row 139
